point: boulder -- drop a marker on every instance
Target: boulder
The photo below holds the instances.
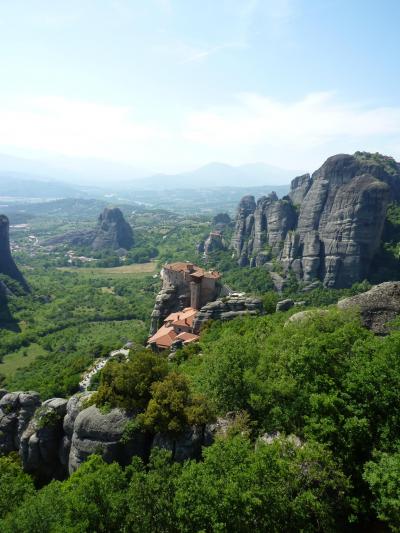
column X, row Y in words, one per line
column 185, row 446
column 378, row 306
column 304, row 316
column 102, row 433
column 40, row 442
column 16, row 411
column 284, row 305
column 74, row 406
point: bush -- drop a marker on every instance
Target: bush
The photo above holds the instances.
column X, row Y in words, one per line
column 383, row 477
column 128, row 385
column 172, row 407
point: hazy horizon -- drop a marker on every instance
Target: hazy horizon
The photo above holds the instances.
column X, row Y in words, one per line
column 167, row 87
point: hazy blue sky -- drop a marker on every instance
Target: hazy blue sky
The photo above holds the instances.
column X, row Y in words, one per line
column 173, row 84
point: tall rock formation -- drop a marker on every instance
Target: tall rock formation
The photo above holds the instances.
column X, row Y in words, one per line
column 213, row 243
column 243, row 227
column 330, row 225
column 261, row 228
column 7, row 263
column 112, row 232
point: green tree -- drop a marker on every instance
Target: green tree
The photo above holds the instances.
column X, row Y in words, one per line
column 128, row 385
column 15, row 485
column 278, row 487
column 41, row 512
column 383, row 477
column 150, row 495
column 172, row 407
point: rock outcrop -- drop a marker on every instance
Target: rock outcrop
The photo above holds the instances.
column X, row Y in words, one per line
column 304, row 316
column 243, row 228
column 213, row 243
column 284, row 305
column 185, row 446
column 74, row 406
column 16, row 411
column 7, row 263
column 221, row 221
column 227, row 308
column 112, row 232
column 40, row 442
column 167, row 300
column 55, row 437
column 184, row 285
column 378, row 306
column 97, row 432
column 299, row 188
column 261, row 228
column 330, row 225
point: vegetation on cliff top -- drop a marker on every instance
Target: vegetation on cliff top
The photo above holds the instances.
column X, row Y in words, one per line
column 328, row 384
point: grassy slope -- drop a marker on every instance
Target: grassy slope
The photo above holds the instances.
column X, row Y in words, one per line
column 135, row 269
column 20, row 359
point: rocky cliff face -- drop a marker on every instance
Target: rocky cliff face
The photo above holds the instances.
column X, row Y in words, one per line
column 112, row 232
column 262, row 227
column 227, row 308
column 7, row 264
column 213, row 243
column 55, row 437
column 329, row 226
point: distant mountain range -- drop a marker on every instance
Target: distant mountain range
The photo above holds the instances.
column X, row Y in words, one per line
column 218, row 175
column 23, row 185
column 60, row 177
column 87, row 172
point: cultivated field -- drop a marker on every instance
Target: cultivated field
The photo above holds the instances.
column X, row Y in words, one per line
column 135, row 269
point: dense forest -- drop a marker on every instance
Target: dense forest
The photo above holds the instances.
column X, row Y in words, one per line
column 305, row 415
column 311, row 446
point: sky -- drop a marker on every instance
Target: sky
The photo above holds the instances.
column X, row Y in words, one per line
column 170, row 85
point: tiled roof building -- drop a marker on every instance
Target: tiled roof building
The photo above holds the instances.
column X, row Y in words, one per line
column 177, row 327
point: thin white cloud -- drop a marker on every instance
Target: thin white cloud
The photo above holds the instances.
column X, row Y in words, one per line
column 204, row 54
column 296, row 134
column 310, row 122
column 76, row 128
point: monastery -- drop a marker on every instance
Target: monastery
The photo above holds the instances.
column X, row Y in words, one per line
column 191, row 287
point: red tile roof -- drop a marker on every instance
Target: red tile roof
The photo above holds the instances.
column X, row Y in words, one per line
column 167, row 334
column 192, row 269
column 182, row 318
column 187, row 337
column 164, row 337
